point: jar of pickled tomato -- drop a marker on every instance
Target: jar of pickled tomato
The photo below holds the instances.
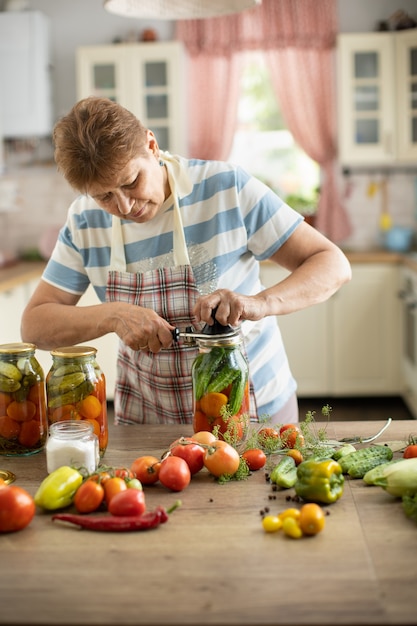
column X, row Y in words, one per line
column 23, row 416
column 220, row 377
column 76, row 390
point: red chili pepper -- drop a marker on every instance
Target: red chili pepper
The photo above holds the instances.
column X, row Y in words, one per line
column 112, row 523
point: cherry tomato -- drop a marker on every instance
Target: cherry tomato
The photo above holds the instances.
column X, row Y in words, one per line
column 291, row 436
column 296, row 455
column 204, row 436
column 191, row 452
column 89, row 496
column 146, row 469
column 112, row 486
column 17, row 508
column 410, row 451
column 123, row 472
column 255, row 458
column 174, row 473
column 267, row 433
column 312, row 519
column 128, row 502
column 221, row 458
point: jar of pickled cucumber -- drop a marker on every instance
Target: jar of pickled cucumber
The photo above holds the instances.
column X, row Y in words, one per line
column 23, row 416
column 76, row 390
column 221, row 386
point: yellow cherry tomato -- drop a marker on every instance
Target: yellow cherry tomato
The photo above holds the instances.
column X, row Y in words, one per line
column 291, row 528
column 294, row 513
column 271, row 523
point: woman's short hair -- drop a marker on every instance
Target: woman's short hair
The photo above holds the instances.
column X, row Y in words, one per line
column 95, row 140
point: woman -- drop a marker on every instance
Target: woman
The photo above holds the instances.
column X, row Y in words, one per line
column 165, row 241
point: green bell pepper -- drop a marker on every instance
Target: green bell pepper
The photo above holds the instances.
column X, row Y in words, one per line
column 319, row 481
column 57, row 490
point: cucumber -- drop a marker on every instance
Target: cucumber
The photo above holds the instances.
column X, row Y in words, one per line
column 207, row 367
column 237, row 392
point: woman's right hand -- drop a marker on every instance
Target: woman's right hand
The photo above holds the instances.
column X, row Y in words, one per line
column 142, row 329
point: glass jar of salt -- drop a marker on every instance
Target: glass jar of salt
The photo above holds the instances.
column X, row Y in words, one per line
column 72, row 443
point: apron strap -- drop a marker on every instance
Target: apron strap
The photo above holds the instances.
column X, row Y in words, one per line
column 179, row 184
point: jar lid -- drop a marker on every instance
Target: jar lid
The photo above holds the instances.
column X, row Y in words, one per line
column 72, row 352
column 7, row 476
column 19, row 348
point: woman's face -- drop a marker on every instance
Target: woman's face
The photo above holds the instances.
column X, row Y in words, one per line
column 138, row 191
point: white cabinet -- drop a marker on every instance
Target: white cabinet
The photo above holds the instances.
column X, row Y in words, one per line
column 377, row 97
column 25, row 100
column 146, row 78
column 408, row 298
column 348, row 345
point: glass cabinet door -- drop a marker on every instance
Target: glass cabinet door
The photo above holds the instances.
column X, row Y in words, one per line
column 100, row 72
column 366, row 97
column 406, row 60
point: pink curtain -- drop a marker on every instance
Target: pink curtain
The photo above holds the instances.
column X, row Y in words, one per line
column 298, row 38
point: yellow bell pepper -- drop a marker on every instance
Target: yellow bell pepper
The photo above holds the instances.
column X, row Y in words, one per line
column 57, row 490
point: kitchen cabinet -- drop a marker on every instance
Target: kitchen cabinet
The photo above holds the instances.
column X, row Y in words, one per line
column 408, row 299
column 377, row 98
column 146, row 78
column 348, row 345
column 26, row 102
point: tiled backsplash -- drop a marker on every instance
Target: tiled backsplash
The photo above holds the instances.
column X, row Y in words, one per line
column 42, row 198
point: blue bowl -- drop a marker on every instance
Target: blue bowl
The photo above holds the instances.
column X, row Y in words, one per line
column 399, row 238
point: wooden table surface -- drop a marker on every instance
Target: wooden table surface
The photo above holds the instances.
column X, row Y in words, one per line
column 212, row 563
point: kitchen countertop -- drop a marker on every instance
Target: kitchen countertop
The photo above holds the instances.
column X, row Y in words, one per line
column 212, row 563
column 21, row 272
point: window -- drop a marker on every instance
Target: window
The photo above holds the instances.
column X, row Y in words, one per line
column 265, row 147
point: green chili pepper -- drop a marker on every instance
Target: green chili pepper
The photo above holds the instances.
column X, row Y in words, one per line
column 57, row 490
column 319, row 481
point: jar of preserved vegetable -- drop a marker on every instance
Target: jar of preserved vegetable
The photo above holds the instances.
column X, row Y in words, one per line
column 221, row 386
column 72, row 442
column 23, row 416
column 76, row 390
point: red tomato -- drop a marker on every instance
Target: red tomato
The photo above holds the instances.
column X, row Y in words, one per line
column 410, row 451
column 123, row 472
column 175, row 473
column 17, row 508
column 291, row 436
column 128, row 502
column 89, row 496
column 113, row 486
column 255, row 458
column 267, row 433
column 146, row 469
column 191, row 452
column 221, row 458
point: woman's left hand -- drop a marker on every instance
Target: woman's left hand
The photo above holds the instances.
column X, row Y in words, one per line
column 232, row 308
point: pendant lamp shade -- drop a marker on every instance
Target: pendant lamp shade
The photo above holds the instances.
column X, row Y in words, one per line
column 177, row 9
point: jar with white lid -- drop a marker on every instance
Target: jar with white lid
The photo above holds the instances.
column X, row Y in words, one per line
column 72, row 443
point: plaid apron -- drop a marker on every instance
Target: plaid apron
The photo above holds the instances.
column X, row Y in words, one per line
column 155, row 388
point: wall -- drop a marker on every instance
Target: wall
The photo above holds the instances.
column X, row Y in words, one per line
column 42, row 197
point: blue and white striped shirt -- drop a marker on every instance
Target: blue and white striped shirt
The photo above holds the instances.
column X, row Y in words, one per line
column 231, row 222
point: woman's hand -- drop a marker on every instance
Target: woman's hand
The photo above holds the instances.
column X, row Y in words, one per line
column 142, row 329
column 232, row 308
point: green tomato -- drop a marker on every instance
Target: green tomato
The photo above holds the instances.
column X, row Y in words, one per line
column 134, row 483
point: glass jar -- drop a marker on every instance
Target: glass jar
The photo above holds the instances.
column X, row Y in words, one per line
column 220, row 377
column 72, row 443
column 23, row 417
column 76, row 390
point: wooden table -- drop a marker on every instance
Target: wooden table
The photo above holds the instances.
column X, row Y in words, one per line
column 212, row 563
